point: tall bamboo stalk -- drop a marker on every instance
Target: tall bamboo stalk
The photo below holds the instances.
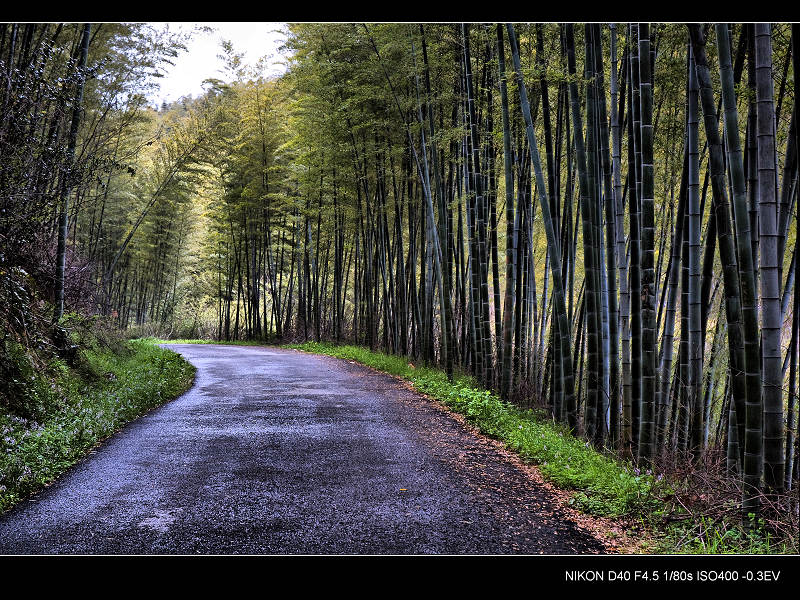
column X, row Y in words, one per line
column 646, row 436
column 772, row 389
column 567, row 375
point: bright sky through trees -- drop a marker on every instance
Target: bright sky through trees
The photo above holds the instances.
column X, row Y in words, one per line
column 200, row 61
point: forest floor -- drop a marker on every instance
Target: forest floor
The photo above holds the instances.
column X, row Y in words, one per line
column 275, row 451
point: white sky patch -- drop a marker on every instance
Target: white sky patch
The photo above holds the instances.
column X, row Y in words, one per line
column 200, row 62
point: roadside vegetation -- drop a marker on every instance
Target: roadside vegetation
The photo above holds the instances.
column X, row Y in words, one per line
column 65, row 389
column 81, row 408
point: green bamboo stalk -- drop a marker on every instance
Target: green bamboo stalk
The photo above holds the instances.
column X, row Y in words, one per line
column 647, row 431
column 772, row 386
column 731, row 279
column 743, row 234
column 635, row 171
column 590, row 268
column 511, row 223
column 565, row 335
column 694, row 384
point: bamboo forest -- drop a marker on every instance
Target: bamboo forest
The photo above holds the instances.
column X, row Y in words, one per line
column 591, row 226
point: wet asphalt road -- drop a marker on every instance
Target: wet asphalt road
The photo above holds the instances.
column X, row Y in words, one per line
column 280, row 452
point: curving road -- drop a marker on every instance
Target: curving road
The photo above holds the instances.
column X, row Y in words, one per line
column 280, row 452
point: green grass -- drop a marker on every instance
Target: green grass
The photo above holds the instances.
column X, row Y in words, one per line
column 86, row 408
column 708, row 537
column 603, row 485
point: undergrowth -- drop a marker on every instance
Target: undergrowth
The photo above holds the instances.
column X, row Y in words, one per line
column 82, row 406
column 711, row 536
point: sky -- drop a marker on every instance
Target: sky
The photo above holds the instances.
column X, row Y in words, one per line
column 200, row 60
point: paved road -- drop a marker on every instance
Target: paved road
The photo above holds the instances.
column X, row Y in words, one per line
column 280, row 452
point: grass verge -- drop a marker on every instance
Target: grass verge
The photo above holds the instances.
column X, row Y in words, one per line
column 90, row 404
